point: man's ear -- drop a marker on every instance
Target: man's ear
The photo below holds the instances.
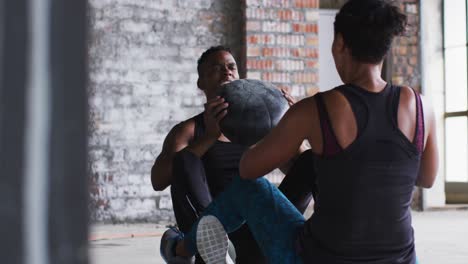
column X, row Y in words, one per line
column 340, row 42
column 199, row 84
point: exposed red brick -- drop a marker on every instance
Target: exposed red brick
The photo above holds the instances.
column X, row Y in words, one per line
column 260, row 39
column 292, row 47
column 413, row 60
column 403, row 50
column 305, row 28
column 305, row 52
column 306, row 3
column 276, row 52
column 259, row 64
column 253, row 51
column 312, row 41
column 311, row 64
column 305, row 77
column 276, row 77
column 285, row 14
column 289, row 14
column 409, row 70
column 252, row 39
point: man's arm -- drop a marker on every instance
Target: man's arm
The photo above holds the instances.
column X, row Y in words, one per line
column 215, row 110
column 179, row 138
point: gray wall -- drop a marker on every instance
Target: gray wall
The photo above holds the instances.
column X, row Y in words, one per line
column 142, row 57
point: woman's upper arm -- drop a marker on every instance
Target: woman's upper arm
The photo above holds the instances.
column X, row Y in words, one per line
column 280, row 145
column 430, row 156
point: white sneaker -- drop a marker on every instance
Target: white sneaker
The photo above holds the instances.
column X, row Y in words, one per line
column 212, row 241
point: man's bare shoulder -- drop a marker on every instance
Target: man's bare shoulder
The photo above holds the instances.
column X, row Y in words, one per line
column 184, row 129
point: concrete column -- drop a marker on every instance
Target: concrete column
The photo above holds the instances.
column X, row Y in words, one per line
column 43, row 132
column 432, row 69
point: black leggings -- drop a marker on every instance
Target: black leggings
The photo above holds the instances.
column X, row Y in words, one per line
column 191, row 195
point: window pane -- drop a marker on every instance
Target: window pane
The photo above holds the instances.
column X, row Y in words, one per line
column 456, row 149
column 454, row 22
column 455, row 79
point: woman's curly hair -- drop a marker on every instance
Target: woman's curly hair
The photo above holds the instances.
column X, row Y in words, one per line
column 368, row 28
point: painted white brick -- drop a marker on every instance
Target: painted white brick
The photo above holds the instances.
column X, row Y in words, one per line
column 146, row 190
column 189, row 4
column 142, row 67
column 165, row 203
column 117, row 204
column 136, row 209
column 135, row 179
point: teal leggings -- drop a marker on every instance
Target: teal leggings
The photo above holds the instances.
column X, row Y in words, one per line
column 272, row 218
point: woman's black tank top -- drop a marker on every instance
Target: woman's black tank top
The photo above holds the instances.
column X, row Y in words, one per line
column 362, row 213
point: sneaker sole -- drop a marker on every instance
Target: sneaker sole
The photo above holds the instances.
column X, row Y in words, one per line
column 212, row 241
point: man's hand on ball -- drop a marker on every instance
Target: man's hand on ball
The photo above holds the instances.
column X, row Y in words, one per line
column 215, row 110
column 288, row 97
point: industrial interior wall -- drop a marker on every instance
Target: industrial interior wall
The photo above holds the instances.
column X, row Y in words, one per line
column 142, row 63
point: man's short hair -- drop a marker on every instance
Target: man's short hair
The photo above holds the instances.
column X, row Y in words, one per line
column 207, row 53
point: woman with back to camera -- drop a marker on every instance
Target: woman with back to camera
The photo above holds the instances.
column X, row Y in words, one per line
column 373, row 143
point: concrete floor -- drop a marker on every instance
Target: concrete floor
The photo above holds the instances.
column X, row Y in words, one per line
column 441, row 238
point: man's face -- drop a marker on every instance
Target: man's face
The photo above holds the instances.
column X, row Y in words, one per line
column 218, row 69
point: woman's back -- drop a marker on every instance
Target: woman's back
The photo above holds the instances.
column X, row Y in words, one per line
column 365, row 176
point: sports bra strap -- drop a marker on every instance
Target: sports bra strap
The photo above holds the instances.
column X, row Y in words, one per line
column 330, row 144
column 418, row 140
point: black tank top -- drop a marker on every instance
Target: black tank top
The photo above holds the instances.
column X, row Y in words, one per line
column 221, row 161
column 362, row 213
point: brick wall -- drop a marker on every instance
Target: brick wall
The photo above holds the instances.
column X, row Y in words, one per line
column 282, row 44
column 142, row 62
column 282, row 47
column 405, row 56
